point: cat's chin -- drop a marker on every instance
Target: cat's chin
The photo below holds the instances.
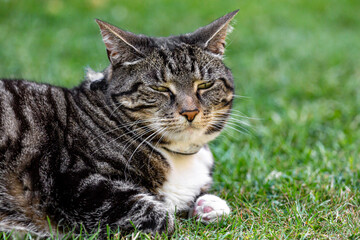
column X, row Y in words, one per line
column 189, row 140
column 191, row 130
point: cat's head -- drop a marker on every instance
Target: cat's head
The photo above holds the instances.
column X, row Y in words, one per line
column 177, row 89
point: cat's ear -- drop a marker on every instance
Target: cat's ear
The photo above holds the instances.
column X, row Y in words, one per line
column 122, row 47
column 212, row 36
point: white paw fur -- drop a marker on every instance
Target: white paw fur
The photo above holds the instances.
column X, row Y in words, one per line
column 210, row 208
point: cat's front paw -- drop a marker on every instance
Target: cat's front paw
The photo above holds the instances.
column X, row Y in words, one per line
column 210, row 208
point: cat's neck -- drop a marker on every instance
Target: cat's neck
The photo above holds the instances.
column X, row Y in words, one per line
column 188, row 150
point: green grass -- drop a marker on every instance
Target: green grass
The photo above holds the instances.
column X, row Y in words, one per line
column 296, row 174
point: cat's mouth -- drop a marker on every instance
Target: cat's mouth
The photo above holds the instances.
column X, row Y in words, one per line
column 180, row 135
column 190, row 128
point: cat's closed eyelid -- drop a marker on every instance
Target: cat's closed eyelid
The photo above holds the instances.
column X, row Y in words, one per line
column 160, row 88
column 168, row 88
column 205, row 85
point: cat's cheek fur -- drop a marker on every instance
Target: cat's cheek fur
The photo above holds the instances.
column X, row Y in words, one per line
column 188, row 176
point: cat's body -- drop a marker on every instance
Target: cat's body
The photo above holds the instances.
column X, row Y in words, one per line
column 118, row 150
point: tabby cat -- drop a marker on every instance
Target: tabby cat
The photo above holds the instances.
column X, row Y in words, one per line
column 127, row 148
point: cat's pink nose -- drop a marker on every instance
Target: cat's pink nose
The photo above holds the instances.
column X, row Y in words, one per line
column 189, row 114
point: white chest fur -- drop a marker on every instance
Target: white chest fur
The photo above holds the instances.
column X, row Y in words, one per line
column 187, row 176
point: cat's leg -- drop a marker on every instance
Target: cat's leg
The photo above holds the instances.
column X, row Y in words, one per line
column 99, row 200
column 209, row 208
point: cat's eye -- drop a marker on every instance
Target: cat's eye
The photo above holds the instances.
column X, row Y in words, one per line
column 160, row 88
column 205, row 85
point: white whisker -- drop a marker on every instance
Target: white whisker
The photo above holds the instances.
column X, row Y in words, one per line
column 117, row 138
column 240, row 96
column 145, row 140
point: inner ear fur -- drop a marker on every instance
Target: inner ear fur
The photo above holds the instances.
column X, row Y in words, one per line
column 121, row 46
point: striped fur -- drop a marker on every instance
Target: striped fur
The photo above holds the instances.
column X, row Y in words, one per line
column 112, row 150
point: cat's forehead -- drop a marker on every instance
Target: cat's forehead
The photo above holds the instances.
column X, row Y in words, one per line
column 177, row 51
column 174, row 60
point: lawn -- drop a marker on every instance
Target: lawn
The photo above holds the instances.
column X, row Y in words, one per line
column 294, row 173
